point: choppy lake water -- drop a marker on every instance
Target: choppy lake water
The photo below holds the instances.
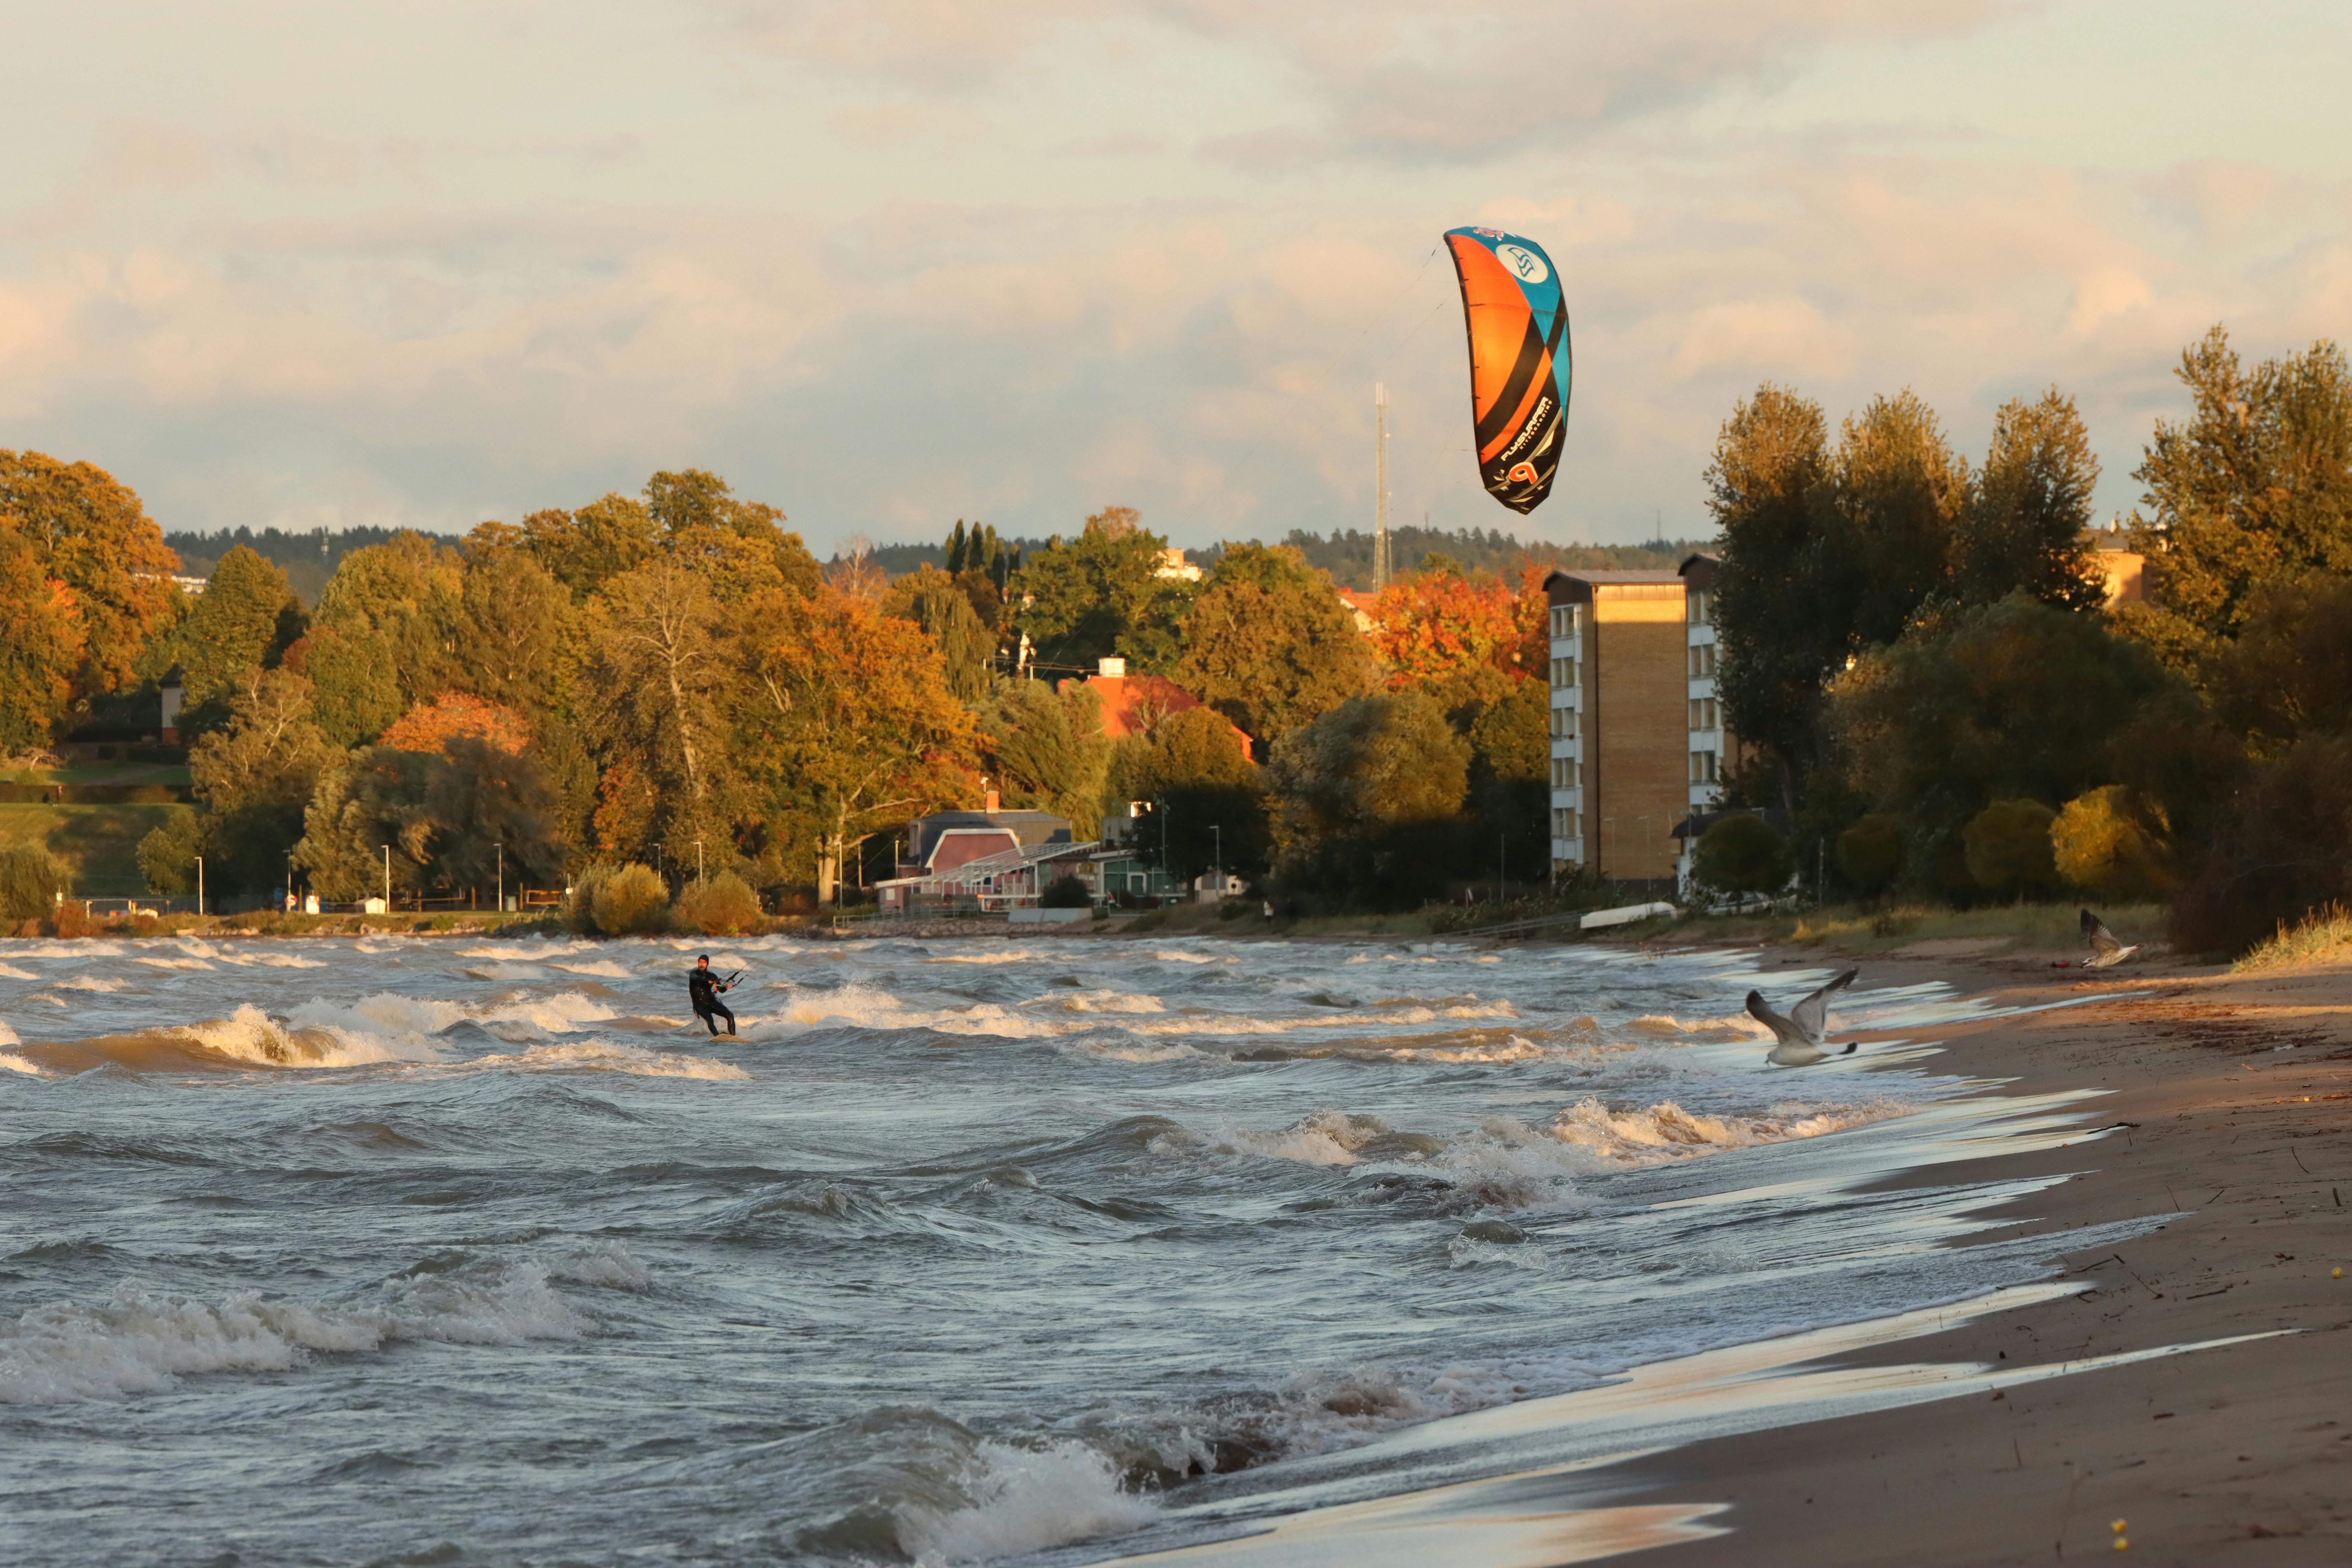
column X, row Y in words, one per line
column 463, row 1251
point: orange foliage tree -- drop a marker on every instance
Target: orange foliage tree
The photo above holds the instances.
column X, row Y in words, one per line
column 429, row 725
column 845, row 718
column 1443, row 630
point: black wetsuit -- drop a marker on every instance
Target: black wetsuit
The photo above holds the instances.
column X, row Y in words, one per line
column 702, row 988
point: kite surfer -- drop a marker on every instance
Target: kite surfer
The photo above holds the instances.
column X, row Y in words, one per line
column 702, row 988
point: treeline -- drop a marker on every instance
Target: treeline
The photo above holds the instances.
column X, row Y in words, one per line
column 1917, row 649
column 1348, row 556
column 671, row 678
column 307, row 559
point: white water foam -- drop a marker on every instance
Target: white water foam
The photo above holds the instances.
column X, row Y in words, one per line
column 1666, row 1131
column 1024, row 1501
column 10, row 972
column 601, row 968
column 70, row 950
column 139, row 1340
column 175, row 963
column 598, row 1056
column 92, row 983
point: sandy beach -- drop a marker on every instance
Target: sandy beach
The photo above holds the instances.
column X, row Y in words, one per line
column 2235, row 1093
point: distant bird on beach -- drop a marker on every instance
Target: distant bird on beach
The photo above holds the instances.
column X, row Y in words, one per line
column 1804, row 1032
column 2105, row 949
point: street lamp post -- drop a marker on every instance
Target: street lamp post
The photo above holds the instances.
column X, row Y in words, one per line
column 502, row 878
column 698, row 862
column 1217, row 869
column 387, row 878
column 200, row 886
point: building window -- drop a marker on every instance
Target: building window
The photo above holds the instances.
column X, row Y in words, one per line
column 1566, row 772
column 1703, row 714
column 1563, row 723
column 1702, row 767
column 1702, row 660
column 1563, row 822
column 1700, row 604
column 1563, row 672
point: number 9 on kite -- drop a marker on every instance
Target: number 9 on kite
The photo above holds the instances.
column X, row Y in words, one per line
column 1520, row 361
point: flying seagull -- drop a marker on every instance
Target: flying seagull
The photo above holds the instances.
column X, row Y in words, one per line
column 1804, row 1031
column 2105, row 949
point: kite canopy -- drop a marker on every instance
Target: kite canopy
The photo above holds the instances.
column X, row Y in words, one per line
column 1517, row 321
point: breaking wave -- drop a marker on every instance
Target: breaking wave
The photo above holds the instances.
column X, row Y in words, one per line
column 141, row 1341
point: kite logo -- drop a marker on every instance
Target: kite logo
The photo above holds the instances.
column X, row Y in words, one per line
column 1526, row 264
column 1525, row 474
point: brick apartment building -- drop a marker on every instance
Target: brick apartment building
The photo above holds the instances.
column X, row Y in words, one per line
column 1638, row 741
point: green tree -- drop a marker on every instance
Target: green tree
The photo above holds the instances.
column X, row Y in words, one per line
column 1779, row 638
column 934, row 601
column 84, row 530
column 245, row 620
column 2254, row 485
column 255, row 777
column 1047, row 750
column 1743, row 854
column 356, row 687
column 1510, row 770
column 2288, row 673
column 32, row 880
column 1101, row 596
column 740, row 546
column 584, row 550
column 405, row 600
column 2005, row 701
column 1870, row 853
column 1268, row 644
column 515, row 624
column 452, row 818
column 2024, row 523
column 167, row 855
column 1887, row 530
column 2009, row 850
column 1205, row 802
column 1367, row 797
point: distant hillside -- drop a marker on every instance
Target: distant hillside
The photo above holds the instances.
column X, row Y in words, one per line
column 307, row 559
column 897, row 560
column 1349, row 556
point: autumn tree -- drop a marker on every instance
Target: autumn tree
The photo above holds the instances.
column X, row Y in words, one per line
column 514, row 624
column 1457, row 638
column 1101, row 596
column 652, row 683
column 846, row 720
column 356, row 689
column 1268, row 644
column 1887, row 519
column 739, row 546
column 87, row 580
column 42, row 639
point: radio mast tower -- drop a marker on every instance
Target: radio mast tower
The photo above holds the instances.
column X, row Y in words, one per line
column 1380, row 565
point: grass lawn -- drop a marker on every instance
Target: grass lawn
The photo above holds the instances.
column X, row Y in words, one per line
column 100, row 843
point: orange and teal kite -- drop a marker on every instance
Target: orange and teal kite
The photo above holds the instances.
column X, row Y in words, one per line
column 1520, row 363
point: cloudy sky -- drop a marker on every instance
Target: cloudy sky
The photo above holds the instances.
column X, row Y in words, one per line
column 891, row 262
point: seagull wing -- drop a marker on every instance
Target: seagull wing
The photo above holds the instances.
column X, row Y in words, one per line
column 2095, row 931
column 1761, row 1011
column 1811, row 1016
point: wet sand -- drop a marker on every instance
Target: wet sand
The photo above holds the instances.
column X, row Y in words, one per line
column 2236, row 1455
